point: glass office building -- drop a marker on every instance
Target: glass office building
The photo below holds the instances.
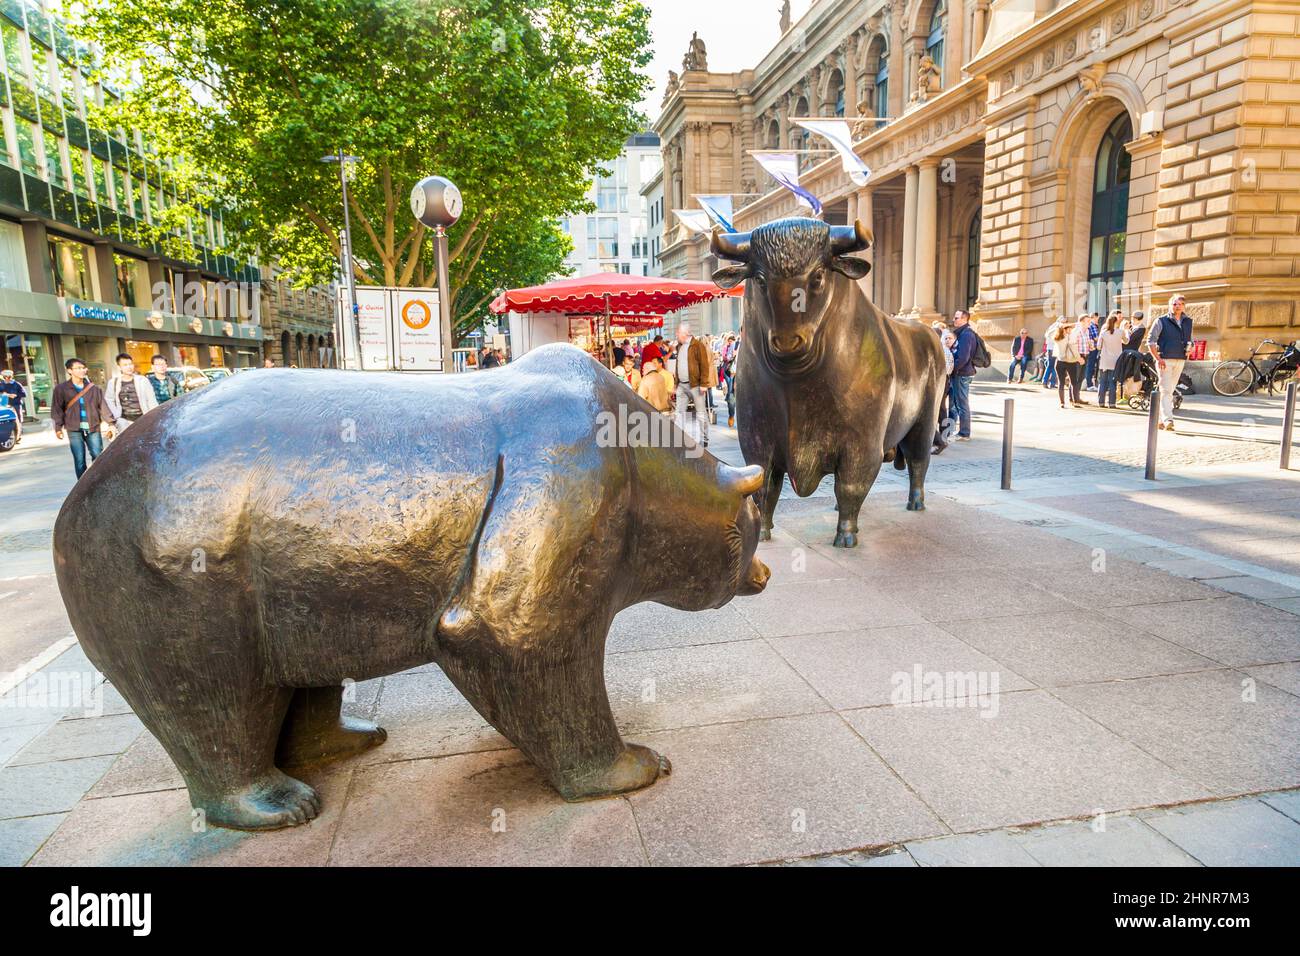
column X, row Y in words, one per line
column 79, row 272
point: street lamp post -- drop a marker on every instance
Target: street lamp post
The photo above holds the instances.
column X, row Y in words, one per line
column 436, row 202
column 345, row 262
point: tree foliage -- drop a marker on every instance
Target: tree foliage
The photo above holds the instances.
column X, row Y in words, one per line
column 517, row 101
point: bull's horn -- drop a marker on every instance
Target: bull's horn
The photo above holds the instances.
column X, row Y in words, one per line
column 848, row 239
column 742, row 481
column 730, row 245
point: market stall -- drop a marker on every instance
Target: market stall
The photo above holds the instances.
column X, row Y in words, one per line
column 592, row 312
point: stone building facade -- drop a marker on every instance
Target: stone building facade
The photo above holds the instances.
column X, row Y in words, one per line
column 1028, row 157
column 298, row 324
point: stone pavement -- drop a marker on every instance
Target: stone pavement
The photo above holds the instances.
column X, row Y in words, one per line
column 1066, row 706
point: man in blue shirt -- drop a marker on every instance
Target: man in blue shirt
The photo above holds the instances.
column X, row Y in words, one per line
column 963, row 370
column 1169, row 338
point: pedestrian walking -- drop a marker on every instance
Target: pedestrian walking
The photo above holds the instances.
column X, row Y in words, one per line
column 12, row 390
column 79, row 408
column 1110, row 345
column 128, row 395
column 164, row 389
column 1169, row 338
column 1050, row 338
column 1091, row 357
column 1022, row 351
column 692, row 369
column 1069, row 363
column 963, row 370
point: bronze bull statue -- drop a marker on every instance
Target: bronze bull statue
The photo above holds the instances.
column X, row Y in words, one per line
column 827, row 383
column 302, row 528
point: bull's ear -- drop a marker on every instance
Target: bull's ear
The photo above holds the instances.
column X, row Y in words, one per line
column 851, row 267
column 729, row 277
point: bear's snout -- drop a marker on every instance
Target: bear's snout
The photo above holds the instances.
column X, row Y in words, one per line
column 756, row 578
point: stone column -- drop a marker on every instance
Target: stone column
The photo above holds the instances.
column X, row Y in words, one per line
column 927, row 224
column 907, row 295
column 866, row 213
column 981, row 26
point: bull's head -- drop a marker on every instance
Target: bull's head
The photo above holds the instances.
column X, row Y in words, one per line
column 794, row 267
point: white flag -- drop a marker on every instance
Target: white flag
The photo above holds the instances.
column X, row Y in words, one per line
column 696, row 220
column 719, row 210
column 836, row 132
column 784, row 168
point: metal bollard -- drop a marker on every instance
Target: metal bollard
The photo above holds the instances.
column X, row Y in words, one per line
column 1008, row 423
column 1288, row 426
column 1153, row 429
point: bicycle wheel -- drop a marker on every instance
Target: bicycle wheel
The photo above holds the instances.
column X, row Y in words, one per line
column 1232, row 378
column 1277, row 383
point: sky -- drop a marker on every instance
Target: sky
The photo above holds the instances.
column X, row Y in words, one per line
column 736, row 34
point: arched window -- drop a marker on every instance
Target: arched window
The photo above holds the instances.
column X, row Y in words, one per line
column 882, row 83
column 837, row 87
column 973, row 260
column 774, row 135
column 934, row 42
column 1108, row 234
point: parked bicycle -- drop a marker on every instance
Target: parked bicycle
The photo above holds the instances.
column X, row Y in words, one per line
column 1273, row 370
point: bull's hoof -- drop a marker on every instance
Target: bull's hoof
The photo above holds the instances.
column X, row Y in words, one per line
column 846, row 539
column 916, row 503
column 765, row 534
column 271, row 803
column 636, row 767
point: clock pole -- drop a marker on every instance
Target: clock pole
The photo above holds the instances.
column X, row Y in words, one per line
column 436, row 202
column 444, row 294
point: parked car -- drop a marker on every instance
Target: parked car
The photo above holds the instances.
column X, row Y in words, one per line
column 188, row 377
column 8, row 424
column 216, row 374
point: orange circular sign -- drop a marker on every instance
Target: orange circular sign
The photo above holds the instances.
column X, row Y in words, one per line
column 420, row 306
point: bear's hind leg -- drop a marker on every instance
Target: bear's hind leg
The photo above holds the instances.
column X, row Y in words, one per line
column 223, row 743
column 316, row 732
column 557, row 713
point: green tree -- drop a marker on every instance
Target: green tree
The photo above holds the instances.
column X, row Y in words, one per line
column 517, row 101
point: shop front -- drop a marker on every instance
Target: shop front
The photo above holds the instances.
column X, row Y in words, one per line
column 40, row 332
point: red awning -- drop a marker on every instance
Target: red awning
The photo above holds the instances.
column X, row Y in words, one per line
column 594, row 294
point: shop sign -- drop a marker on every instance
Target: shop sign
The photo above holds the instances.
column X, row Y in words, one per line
column 96, row 313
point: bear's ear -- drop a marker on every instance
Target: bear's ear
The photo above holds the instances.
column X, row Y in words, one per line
column 742, row 481
column 851, row 267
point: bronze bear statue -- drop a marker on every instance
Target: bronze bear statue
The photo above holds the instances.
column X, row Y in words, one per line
column 305, row 527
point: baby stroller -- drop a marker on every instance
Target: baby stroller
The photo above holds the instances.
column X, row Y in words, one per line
column 1150, row 381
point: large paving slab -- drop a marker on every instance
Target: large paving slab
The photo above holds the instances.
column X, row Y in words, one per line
column 1072, row 645
column 709, row 684
column 869, row 668
column 770, row 790
column 161, row 829
column 1232, row 630
column 1234, row 833
column 1028, row 757
column 485, row 808
column 1230, row 734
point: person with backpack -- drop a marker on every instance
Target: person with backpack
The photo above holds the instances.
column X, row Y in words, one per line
column 968, row 352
